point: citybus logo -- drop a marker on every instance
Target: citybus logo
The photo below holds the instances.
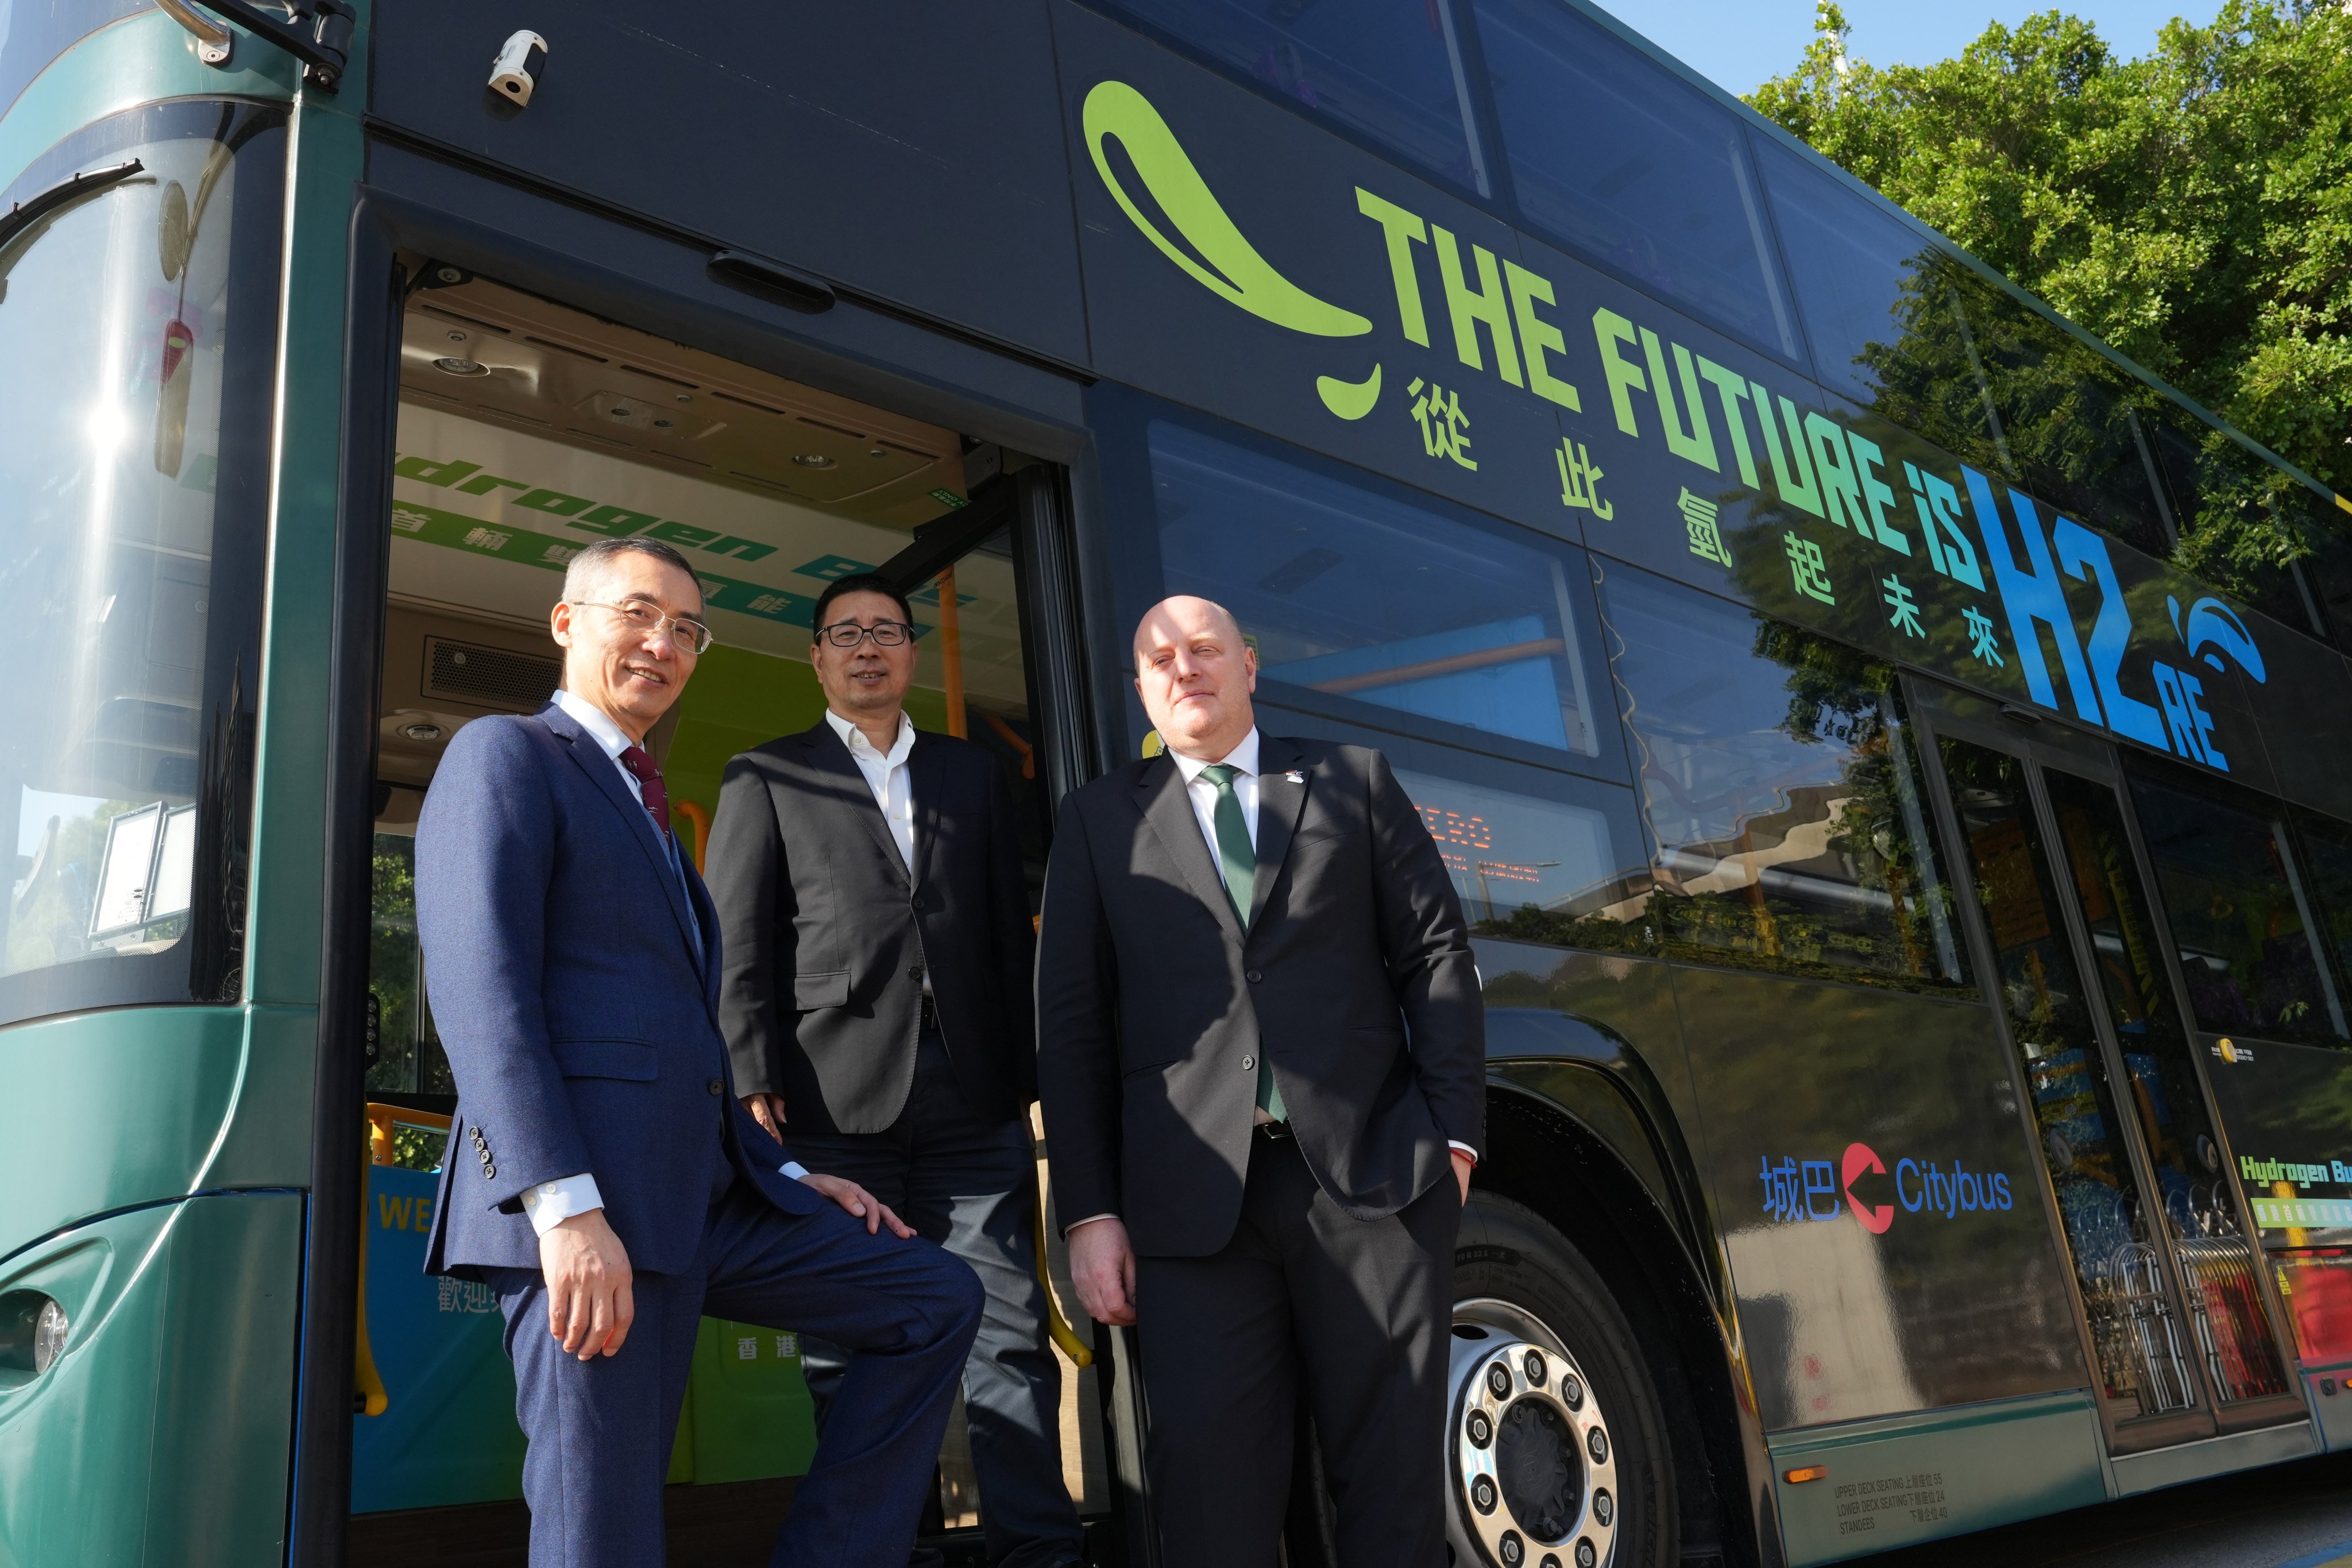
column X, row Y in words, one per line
column 1797, row 1191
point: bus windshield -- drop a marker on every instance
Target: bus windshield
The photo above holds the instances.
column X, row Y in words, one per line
column 133, row 468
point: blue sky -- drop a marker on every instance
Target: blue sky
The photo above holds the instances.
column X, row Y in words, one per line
column 1739, row 43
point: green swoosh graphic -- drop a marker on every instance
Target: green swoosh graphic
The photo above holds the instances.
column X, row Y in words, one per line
column 1249, row 280
column 1349, row 399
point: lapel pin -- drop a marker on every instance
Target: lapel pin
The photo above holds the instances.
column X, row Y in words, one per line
column 1295, row 776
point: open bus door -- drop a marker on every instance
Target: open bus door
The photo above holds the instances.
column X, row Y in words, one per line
column 524, row 431
column 2179, row 1328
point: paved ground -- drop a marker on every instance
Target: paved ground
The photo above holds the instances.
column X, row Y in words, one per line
column 2289, row 1516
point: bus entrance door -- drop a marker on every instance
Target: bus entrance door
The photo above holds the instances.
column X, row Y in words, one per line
column 2179, row 1327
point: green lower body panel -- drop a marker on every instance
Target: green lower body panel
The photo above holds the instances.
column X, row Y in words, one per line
column 1903, row 1479
column 161, row 1436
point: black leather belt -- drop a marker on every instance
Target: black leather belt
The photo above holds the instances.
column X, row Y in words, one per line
column 930, row 1018
column 1276, row 1131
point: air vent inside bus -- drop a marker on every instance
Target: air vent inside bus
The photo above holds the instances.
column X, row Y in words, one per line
column 489, row 677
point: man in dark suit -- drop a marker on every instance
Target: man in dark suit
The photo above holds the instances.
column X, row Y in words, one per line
column 599, row 1175
column 1262, row 1051
column 877, row 999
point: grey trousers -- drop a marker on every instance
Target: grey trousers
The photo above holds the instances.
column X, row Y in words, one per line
column 971, row 1185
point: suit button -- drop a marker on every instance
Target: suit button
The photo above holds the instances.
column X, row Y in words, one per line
column 914, row 972
column 1255, row 976
column 1249, row 1063
column 490, row 1173
column 717, row 1086
column 919, row 901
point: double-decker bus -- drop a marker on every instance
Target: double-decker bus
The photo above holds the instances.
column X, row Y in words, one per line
column 1914, row 913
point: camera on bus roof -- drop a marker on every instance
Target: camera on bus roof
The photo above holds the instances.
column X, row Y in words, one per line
column 514, row 75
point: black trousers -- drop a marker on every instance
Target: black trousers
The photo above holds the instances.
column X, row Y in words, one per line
column 1359, row 1311
column 971, row 1185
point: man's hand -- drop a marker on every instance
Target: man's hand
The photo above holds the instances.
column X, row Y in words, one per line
column 861, row 1204
column 1102, row 1266
column 589, row 1306
column 1463, row 1165
column 768, row 1110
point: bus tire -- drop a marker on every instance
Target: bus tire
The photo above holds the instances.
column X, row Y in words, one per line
column 1556, row 1448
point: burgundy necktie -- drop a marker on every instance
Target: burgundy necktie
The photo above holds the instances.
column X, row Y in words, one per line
column 650, row 781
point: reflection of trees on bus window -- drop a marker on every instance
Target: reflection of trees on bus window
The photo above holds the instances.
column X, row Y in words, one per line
column 1388, row 70
column 1908, row 331
column 137, row 319
column 1782, row 794
column 2240, row 916
column 2326, row 864
column 405, row 1052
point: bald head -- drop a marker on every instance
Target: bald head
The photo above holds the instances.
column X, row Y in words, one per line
column 1195, row 675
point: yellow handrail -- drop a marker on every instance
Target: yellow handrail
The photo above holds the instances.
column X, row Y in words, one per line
column 367, row 1381
column 1055, row 1324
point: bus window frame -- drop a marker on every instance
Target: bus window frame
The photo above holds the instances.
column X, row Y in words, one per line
column 1941, row 710
column 2279, row 816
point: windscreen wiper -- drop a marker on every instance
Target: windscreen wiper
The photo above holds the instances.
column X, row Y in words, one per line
column 24, row 215
column 319, row 32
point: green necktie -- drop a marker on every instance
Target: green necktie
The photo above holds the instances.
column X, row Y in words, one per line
column 1237, row 864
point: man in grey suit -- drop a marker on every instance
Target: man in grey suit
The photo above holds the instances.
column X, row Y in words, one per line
column 876, row 1003
column 1262, row 1053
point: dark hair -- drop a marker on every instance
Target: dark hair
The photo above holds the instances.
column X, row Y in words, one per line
column 858, row 582
column 591, row 562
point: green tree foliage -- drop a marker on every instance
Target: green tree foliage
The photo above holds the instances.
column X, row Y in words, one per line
column 2193, row 208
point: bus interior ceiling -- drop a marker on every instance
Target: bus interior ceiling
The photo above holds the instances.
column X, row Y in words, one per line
column 526, row 431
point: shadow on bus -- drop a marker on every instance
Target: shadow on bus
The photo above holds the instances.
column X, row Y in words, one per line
column 526, row 432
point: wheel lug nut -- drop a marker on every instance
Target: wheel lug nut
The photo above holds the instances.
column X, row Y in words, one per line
column 1498, row 1381
column 1534, row 1364
column 1481, row 1429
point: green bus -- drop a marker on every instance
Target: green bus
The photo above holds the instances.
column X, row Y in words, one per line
column 1915, row 914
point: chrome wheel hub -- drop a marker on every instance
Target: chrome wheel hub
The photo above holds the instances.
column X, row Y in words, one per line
column 1533, row 1466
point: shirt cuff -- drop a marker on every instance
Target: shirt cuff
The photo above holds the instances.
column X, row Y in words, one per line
column 1088, row 1220
column 1456, row 1143
column 793, row 1169
column 550, row 1204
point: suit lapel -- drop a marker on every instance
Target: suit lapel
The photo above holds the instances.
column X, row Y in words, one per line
column 1279, row 802
column 926, row 777
column 846, row 783
column 604, row 773
column 1159, row 796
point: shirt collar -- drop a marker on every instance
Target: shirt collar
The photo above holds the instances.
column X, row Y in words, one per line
column 859, row 746
column 1243, row 757
column 596, row 721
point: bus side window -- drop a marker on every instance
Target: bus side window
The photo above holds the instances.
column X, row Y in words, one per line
column 1783, row 793
column 2240, row 916
column 1634, row 168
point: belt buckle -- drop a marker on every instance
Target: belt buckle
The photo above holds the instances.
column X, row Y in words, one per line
column 1276, row 1131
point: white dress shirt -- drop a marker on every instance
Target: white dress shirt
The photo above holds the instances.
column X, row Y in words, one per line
column 550, row 1204
column 1203, row 793
column 886, row 776
column 894, row 787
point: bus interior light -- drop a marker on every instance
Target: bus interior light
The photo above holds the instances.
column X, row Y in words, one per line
column 1809, row 1473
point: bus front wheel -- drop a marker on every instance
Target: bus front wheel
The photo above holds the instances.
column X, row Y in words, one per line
column 1556, row 1449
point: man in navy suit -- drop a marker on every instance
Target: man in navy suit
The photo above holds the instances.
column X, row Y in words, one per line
column 601, row 1176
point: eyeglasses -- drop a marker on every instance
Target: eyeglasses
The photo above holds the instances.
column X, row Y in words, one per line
column 692, row 635
column 849, row 634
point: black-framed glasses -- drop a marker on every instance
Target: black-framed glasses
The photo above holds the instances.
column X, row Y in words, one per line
column 849, row 634
column 692, row 635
